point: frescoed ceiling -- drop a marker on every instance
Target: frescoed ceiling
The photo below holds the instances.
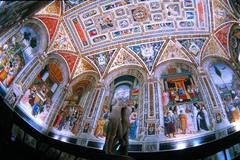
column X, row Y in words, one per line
column 107, row 34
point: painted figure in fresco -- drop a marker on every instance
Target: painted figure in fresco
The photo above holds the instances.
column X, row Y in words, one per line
column 45, row 110
column 105, row 117
column 62, row 121
column 177, row 120
column 13, row 54
column 195, row 112
column 182, row 95
column 227, row 83
column 105, row 23
column 15, row 66
column 218, row 117
column 151, row 129
column 33, row 92
column 133, row 125
column 190, row 127
column 35, row 108
column 232, row 111
column 25, row 97
column 191, row 92
column 172, row 95
column 165, row 98
column 183, row 121
column 58, row 119
column 206, row 117
column 202, row 123
column 99, row 128
column 102, row 123
column 169, row 124
column 86, row 127
column 68, row 119
column 172, row 10
column 77, row 119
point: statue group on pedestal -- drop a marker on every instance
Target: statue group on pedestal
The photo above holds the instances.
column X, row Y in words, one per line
column 118, row 127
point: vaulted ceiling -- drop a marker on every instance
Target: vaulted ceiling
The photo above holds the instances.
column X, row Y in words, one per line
column 103, row 35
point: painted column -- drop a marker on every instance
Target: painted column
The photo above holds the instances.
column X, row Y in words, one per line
column 86, row 110
column 98, row 106
column 154, row 120
column 142, row 112
column 159, row 103
column 145, row 108
column 83, row 100
column 93, row 109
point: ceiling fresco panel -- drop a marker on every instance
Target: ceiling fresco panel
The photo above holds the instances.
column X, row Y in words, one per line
column 222, row 36
column 108, row 23
column 172, row 51
column 69, row 4
column 62, row 40
column 123, row 58
column 70, row 59
column 221, row 14
column 194, row 46
column 213, row 49
column 147, row 52
column 53, row 9
column 102, row 59
column 51, row 25
column 82, row 66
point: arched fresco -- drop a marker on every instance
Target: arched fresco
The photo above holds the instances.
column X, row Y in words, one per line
column 128, row 88
column 227, row 83
column 184, row 112
column 70, row 116
column 17, row 52
column 42, row 93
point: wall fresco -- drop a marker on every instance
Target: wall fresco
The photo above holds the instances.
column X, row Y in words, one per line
column 37, row 99
column 227, row 84
column 16, row 53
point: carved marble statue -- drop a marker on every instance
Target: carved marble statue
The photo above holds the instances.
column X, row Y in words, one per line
column 114, row 125
column 118, row 128
column 123, row 139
